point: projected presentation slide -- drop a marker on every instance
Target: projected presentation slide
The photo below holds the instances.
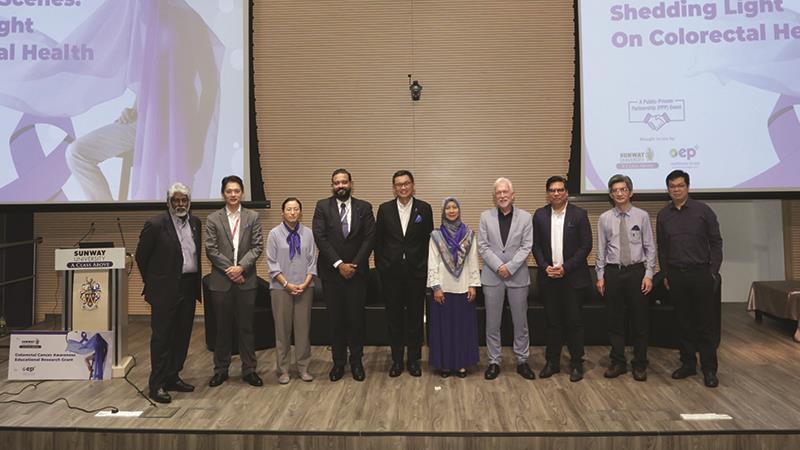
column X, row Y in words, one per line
column 114, row 100
column 709, row 87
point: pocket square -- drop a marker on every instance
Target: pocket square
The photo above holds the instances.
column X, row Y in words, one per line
column 635, row 228
column 418, row 219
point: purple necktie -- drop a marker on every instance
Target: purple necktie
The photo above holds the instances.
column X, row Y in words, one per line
column 343, row 217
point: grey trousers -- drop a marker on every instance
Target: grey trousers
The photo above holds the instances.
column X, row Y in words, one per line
column 292, row 312
column 518, row 302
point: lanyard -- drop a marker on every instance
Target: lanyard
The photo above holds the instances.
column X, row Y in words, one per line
column 235, row 228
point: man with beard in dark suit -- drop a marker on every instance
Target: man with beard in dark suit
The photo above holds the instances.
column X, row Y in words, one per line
column 168, row 256
column 403, row 229
column 344, row 230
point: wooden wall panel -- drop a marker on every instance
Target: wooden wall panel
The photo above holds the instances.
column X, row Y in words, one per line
column 792, row 238
column 63, row 229
column 332, row 91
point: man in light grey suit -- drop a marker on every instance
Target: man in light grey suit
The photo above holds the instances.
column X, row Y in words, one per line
column 234, row 242
column 505, row 238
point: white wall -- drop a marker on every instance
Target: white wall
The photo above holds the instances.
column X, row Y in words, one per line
column 752, row 235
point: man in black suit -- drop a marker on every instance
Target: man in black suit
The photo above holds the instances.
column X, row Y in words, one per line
column 344, row 230
column 168, row 256
column 562, row 240
column 402, row 232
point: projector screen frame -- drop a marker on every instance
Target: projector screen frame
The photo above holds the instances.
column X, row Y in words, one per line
column 575, row 183
column 256, row 197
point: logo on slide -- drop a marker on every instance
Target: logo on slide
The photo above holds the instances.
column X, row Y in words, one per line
column 687, row 153
column 656, row 112
column 637, row 160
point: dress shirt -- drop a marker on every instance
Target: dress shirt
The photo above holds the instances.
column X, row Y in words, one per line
column 689, row 236
column 294, row 269
column 640, row 232
column 234, row 221
column 405, row 214
column 188, row 249
column 504, row 221
column 557, row 235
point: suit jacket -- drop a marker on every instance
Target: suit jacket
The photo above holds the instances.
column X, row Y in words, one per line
column 391, row 245
column 514, row 254
column 219, row 248
column 160, row 259
column 577, row 244
column 332, row 244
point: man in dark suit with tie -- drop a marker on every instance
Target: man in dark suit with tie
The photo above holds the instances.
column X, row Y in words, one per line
column 403, row 229
column 168, row 257
column 562, row 240
column 344, row 230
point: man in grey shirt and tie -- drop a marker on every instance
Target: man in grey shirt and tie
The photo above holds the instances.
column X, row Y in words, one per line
column 626, row 259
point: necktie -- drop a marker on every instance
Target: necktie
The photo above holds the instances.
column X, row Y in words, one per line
column 343, row 218
column 624, row 241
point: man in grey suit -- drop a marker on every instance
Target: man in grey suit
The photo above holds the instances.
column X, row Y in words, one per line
column 505, row 238
column 234, row 242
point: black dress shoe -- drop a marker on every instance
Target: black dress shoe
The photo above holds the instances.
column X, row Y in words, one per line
column 710, row 379
column 396, row 370
column 336, row 373
column 253, row 379
column 445, row 373
column 218, row 379
column 160, row 395
column 179, row 386
column 358, row 372
column 683, row 372
column 492, row 372
column 549, row 370
column 525, row 371
column 576, row 374
column 414, row 369
column 640, row 373
column 462, row 373
column 615, row 370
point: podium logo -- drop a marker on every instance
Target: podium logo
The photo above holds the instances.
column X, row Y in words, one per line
column 684, row 153
column 90, row 294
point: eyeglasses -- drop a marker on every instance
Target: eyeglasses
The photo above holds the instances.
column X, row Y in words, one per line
column 677, row 186
column 403, row 185
column 623, row 190
column 557, row 191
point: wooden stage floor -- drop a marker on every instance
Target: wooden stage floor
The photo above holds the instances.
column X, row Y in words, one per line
column 759, row 374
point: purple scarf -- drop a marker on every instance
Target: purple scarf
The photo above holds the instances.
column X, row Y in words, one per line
column 293, row 240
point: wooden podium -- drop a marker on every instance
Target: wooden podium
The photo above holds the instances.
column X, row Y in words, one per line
column 96, row 296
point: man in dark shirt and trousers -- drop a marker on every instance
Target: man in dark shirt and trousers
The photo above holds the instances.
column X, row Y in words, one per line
column 690, row 254
column 626, row 259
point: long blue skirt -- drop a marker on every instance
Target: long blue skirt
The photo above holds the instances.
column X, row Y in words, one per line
column 453, row 328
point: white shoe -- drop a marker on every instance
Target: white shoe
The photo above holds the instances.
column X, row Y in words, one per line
column 283, row 378
column 305, row 376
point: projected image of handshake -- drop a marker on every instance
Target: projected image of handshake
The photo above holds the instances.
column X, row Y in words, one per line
column 657, row 121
